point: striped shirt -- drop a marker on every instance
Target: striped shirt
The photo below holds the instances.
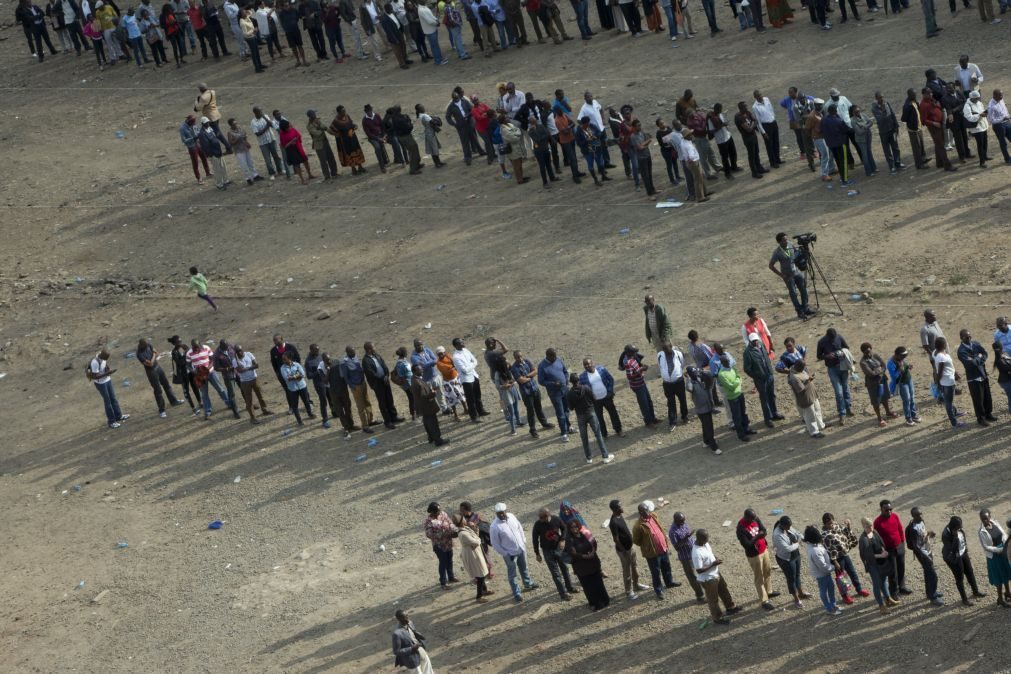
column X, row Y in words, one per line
column 199, row 359
column 634, row 373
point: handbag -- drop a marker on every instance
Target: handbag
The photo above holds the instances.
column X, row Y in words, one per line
column 154, row 35
column 843, row 584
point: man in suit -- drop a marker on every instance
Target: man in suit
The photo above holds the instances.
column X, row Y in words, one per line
column 458, row 115
column 377, row 374
column 409, row 646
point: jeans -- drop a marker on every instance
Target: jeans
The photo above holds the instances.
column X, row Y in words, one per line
column 841, row 387
column 1007, row 391
column 772, row 143
column 555, row 559
column 890, row 146
column 156, row 377
column 948, row 396
column 740, row 415
column 112, row 412
column 456, row 39
column 562, row 409
column 213, row 381
column 659, row 569
column 826, row 590
column 137, row 46
column 791, row 571
column 869, row 165
column 1001, row 131
column 532, row 402
column 512, row 563
column 254, row 49
column 710, row 10
column 878, row 584
column 584, row 420
column 824, row 156
column 909, row 402
column 645, row 404
column 503, row 35
column 896, row 569
column 433, row 46
column 336, row 39
column 273, row 160
column 672, row 27
column 511, row 409
column 445, row 565
column 846, row 562
column 929, row 574
column 582, row 21
column 767, row 395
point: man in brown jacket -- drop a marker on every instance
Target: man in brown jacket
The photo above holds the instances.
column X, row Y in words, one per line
column 652, row 541
column 802, row 384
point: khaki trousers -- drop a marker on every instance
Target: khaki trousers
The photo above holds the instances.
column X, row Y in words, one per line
column 761, row 567
column 360, row 394
column 716, row 590
column 812, row 418
column 629, row 569
column 686, row 564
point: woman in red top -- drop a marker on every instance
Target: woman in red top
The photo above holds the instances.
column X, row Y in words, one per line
column 482, row 115
column 174, row 34
column 291, row 144
column 196, row 15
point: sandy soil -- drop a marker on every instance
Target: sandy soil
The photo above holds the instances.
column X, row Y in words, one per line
column 294, row 580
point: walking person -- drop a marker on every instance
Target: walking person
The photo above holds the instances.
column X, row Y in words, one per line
column 199, row 283
column 100, row 374
column 148, row 357
column 752, row 536
column 409, row 646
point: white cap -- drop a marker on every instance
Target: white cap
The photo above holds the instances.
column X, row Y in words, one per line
column 752, row 336
column 500, row 507
column 205, row 120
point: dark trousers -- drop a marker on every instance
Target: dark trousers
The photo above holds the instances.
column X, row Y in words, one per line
column 335, row 39
column 686, row 564
column 273, row 43
column 410, row 149
column 982, row 403
column 327, row 162
column 890, row 146
column 555, row 559
column 202, row 37
column 254, row 52
column 216, row 38
column 708, row 434
column 569, row 152
column 767, row 395
column 660, row 571
column 919, row 151
column 646, row 171
column 42, row 35
column 77, row 36
column 772, row 142
column 751, row 145
column 607, row 403
column 384, row 396
column 156, row 377
column 561, row 410
column 673, row 175
column 740, row 414
column 316, row 38
column 853, row 8
column 532, row 401
column 961, row 568
column 294, row 397
column 472, row 392
column 929, row 574
column 632, row 17
column 674, row 392
column 431, row 422
column 189, row 385
column 897, row 572
column 380, row 148
column 410, row 402
column 940, row 154
column 543, row 158
column 791, row 573
column 981, row 149
column 839, row 156
column 445, row 565
column 960, row 135
column 323, row 399
column 1001, row 131
column 468, row 140
column 340, row 403
column 728, row 156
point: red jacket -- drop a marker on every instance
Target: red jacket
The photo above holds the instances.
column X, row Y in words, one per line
column 891, row 531
column 931, row 113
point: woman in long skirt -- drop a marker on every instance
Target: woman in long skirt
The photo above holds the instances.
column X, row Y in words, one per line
column 349, row 150
column 582, row 549
column 998, row 569
column 432, row 128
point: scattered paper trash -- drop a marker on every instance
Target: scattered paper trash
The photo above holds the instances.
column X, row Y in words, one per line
column 361, row 457
column 122, row 544
column 120, row 135
column 216, row 524
column 436, row 463
column 727, row 523
column 852, row 193
column 80, row 586
column 228, row 566
column 428, row 326
column 382, row 548
column 238, row 479
column 776, row 511
column 2, row 375
column 624, row 231
column 716, row 259
column 126, row 383
column 552, row 466
column 887, row 483
column 372, row 442
column 669, row 204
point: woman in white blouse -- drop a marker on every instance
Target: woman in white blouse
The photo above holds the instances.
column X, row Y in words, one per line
column 998, row 569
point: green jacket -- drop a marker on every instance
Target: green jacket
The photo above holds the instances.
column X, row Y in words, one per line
column 663, row 325
column 756, row 362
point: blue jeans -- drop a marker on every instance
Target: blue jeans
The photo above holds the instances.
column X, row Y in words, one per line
column 791, row 572
column 584, row 420
column 878, row 584
column 633, row 160
column 555, row 559
column 433, row 46
column 445, row 565
column 112, row 413
column 520, row 561
column 561, row 410
column 797, row 287
column 841, row 388
column 1007, row 391
column 709, row 8
column 645, row 404
column 948, row 396
column 456, row 39
column 137, row 45
column 503, row 36
column 909, row 402
column 869, row 165
column 824, row 156
column 511, row 408
column 929, row 574
column 847, row 566
column 659, row 569
column 581, row 17
column 212, row 381
column 672, row 26
column 826, row 590
column 767, row 394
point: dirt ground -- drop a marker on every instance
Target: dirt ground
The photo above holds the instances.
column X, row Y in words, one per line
column 99, row 232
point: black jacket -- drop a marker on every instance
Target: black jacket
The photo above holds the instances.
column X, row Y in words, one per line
column 456, row 118
column 275, row 356
column 369, row 366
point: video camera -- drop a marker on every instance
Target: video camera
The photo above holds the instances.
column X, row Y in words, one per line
column 804, row 240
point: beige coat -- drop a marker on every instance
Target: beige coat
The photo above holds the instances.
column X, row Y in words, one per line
column 473, row 558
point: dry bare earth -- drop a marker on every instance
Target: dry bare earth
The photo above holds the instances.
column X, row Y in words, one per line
column 294, row 580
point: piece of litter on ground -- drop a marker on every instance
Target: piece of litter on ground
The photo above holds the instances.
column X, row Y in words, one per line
column 276, row 568
column 228, row 566
column 122, row 544
column 440, row 187
column 856, row 297
column 99, row 597
column 606, row 523
column 382, row 548
column 704, row 624
column 716, row 259
column 216, row 524
column 120, row 135
column 436, row 463
column 393, row 322
column 552, row 466
column 726, row 523
column 624, row 231
column 2, row 375
column 372, row 442
column 361, row 457
column 238, row 479
column 669, row 204
column 80, row 585
column 776, row 511
column 886, row 483
column 428, row 326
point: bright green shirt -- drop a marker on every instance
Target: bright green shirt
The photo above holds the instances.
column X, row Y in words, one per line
column 731, row 383
column 198, row 282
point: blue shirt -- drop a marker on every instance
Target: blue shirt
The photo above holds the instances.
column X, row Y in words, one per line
column 787, row 359
column 561, row 106
column 715, row 365
column 130, row 23
column 495, row 7
column 554, row 376
column 291, row 371
column 834, row 131
column 524, row 369
column 426, row 359
column 1004, row 338
column 351, row 370
column 403, row 369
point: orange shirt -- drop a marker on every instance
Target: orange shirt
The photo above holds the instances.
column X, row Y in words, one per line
column 446, row 367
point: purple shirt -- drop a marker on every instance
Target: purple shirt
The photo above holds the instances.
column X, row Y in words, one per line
column 682, row 540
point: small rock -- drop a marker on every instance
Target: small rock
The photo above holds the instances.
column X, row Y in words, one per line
column 323, row 315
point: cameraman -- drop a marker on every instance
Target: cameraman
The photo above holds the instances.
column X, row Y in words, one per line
column 785, row 255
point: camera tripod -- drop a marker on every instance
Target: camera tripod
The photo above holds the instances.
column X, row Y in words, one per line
column 812, row 273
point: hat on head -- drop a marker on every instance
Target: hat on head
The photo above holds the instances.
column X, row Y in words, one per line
column 440, row 349
column 615, row 504
column 901, row 351
column 500, row 507
column 205, row 120
column 819, row 101
column 752, row 336
column 833, row 92
column 974, row 94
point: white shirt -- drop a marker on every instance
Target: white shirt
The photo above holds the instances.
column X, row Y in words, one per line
column 842, row 106
column 996, row 111
column 429, row 22
column 258, row 125
column 597, row 385
column 512, row 103
column 687, row 150
column 466, row 364
column 763, row 111
column 507, row 536
column 592, row 110
column 723, row 135
column 945, row 369
column 373, row 11
column 961, row 542
column 232, row 12
column 98, row 366
column 85, row 10
column 263, row 20
column 975, row 111
column 246, row 362
column 671, row 369
column 702, row 556
column 965, row 74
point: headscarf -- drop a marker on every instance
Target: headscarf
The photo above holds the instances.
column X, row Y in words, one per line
column 567, row 513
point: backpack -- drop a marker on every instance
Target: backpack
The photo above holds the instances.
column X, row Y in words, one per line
column 486, row 16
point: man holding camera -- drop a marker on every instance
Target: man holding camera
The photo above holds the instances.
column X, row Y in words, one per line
column 785, row 255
